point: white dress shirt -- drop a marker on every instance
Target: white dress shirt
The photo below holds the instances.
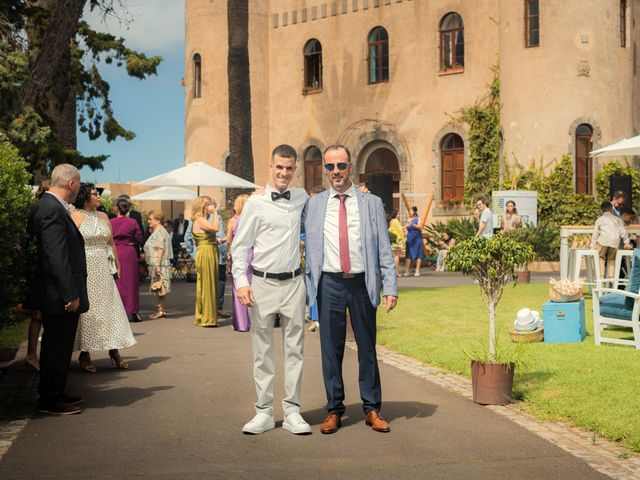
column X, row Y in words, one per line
column 273, row 230
column 332, row 233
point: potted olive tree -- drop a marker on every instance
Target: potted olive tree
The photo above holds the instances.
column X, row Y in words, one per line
column 492, row 263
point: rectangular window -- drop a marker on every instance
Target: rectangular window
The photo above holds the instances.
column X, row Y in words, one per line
column 623, row 23
column 531, row 23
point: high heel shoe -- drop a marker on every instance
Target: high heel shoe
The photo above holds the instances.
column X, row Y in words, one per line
column 85, row 363
column 116, row 359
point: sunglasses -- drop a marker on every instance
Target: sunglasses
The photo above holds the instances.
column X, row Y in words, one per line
column 330, row 167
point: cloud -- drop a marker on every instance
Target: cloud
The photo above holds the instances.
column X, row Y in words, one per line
column 155, row 26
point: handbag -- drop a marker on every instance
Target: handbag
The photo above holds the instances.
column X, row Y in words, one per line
column 113, row 268
column 159, row 285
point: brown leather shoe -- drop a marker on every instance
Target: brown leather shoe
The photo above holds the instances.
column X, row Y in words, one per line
column 375, row 421
column 331, row 424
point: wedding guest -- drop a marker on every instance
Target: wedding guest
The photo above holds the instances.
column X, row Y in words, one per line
column 511, row 219
column 204, row 234
column 397, row 246
column 35, row 325
column 241, row 320
column 180, row 226
column 607, row 235
column 414, row 244
column 58, row 286
column 128, row 238
column 617, row 202
column 485, row 229
column 158, row 255
column 137, row 216
column 222, row 267
column 446, row 243
column 105, row 325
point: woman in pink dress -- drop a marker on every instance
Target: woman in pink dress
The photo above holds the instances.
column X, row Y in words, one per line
column 127, row 237
column 241, row 320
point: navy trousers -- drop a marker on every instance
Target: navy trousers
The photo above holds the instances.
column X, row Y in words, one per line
column 335, row 296
column 222, row 282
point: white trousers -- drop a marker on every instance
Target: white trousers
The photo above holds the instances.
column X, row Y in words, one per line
column 287, row 299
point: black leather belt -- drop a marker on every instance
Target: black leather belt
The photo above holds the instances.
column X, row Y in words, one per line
column 278, row 276
column 344, row 275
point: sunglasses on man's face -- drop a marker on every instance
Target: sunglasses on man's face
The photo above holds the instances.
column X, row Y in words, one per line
column 330, row 167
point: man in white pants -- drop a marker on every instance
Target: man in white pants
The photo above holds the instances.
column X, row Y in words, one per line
column 270, row 223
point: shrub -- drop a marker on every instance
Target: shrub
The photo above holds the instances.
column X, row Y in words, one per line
column 617, row 168
column 492, row 264
column 543, row 238
column 15, row 202
column 461, row 228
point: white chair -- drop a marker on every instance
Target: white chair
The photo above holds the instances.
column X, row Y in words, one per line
column 620, row 308
column 626, row 256
column 592, row 262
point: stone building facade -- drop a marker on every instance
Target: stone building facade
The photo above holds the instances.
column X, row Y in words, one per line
column 384, row 78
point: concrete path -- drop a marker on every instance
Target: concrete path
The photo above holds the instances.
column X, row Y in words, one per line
column 177, row 413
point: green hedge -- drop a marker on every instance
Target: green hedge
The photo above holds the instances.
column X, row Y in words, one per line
column 16, row 199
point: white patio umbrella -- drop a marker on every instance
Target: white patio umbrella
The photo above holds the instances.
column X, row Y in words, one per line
column 198, row 174
column 167, row 193
column 625, row 147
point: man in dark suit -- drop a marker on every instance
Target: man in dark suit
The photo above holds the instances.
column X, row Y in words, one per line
column 349, row 262
column 58, row 287
column 180, row 226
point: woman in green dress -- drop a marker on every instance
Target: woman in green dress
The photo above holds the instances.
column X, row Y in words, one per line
column 204, row 234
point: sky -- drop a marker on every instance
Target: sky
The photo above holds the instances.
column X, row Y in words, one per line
column 153, row 108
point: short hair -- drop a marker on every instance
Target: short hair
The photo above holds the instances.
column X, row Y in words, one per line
column 62, row 174
column 619, row 194
column 157, row 215
column 123, row 205
column 285, row 151
column 606, row 206
column 125, row 196
column 338, row 146
column 482, row 199
column 84, row 195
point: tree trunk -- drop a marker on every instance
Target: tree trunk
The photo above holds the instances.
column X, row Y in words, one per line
column 492, row 328
column 62, row 27
column 240, row 147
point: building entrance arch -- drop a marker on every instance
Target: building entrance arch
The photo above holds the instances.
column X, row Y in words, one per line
column 380, row 170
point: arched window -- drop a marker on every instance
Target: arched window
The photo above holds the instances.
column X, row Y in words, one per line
column 312, row 66
column 584, row 163
column 451, row 42
column 531, row 23
column 197, row 76
column 452, row 167
column 378, row 55
column 312, row 169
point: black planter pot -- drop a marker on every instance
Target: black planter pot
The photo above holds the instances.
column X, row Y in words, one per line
column 492, row 383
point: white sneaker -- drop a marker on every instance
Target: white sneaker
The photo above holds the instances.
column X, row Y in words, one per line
column 259, row 424
column 296, row 424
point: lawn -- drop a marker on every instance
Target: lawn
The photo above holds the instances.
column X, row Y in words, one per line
column 14, row 335
column 592, row 387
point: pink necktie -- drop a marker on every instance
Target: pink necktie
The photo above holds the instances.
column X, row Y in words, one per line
column 345, row 261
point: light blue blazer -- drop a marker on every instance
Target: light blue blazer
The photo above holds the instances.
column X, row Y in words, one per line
column 380, row 270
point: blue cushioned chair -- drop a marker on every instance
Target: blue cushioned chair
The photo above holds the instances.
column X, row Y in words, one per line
column 619, row 307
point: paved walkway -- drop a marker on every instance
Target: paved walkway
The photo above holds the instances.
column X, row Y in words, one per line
column 177, row 413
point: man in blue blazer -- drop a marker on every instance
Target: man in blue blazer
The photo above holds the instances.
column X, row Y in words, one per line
column 348, row 263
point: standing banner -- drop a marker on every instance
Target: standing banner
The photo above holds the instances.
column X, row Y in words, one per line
column 526, row 203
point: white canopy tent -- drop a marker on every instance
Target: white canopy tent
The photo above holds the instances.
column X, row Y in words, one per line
column 198, row 174
column 625, row 147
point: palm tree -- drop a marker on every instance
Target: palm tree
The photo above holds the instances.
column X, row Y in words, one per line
column 240, row 148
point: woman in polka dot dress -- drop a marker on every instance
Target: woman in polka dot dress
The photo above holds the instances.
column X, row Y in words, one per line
column 105, row 326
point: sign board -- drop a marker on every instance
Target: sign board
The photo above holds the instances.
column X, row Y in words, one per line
column 526, row 203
